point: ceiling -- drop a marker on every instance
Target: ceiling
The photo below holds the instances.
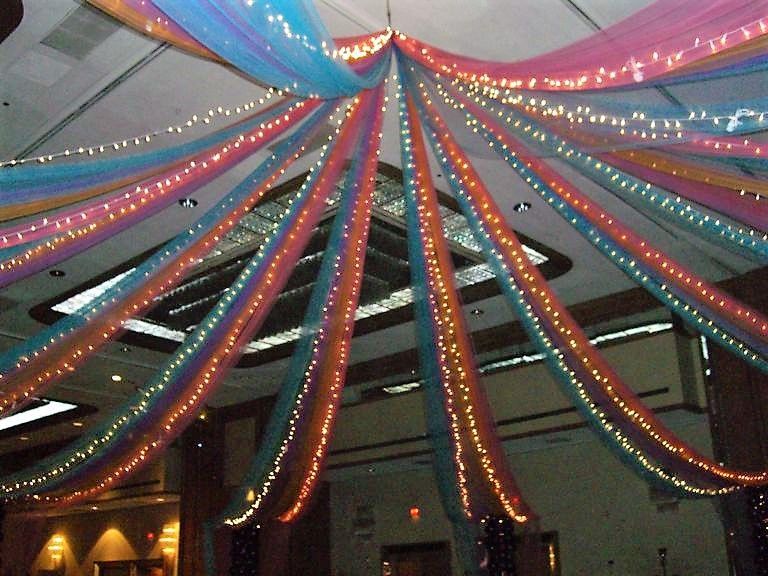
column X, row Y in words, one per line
column 67, row 82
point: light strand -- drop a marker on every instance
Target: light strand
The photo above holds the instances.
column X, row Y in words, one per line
column 138, row 408
column 563, row 327
column 213, row 114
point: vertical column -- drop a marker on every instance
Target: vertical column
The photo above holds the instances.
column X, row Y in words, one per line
column 202, row 493
column 310, row 537
column 738, row 410
column 280, row 549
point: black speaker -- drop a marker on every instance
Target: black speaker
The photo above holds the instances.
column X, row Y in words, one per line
column 500, row 545
column 245, row 550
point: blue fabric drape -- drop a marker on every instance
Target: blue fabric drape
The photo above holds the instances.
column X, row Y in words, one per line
column 282, row 43
column 130, row 415
column 28, row 182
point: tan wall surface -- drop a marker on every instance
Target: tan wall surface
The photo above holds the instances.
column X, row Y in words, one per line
column 88, row 537
column 599, row 508
column 646, row 364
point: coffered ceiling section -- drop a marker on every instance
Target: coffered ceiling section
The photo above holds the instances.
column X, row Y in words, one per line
column 386, row 294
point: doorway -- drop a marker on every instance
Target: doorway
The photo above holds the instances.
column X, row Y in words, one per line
column 153, row 567
column 423, row 559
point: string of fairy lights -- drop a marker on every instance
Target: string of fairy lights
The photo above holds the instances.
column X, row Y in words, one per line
column 538, row 136
column 744, row 185
column 340, row 338
column 60, row 235
column 211, row 116
column 499, row 107
column 639, row 68
column 360, row 50
column 640, row 193
column 472, row 433
column 150, row 20
column 583, row 359
column 250, row 298
column 742, row 146
column 130, row 306
column 80, row 453
column 248, row 140
column 490, row 225
column 627, row 250
column 413, row 188
column 353, row 52
column 329, row 354
column 638, row 123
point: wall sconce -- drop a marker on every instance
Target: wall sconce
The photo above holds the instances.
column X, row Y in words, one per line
column 168, row 540
column 56, row 549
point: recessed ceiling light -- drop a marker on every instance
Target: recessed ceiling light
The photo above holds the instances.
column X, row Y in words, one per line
column 77, row 424
column 477, row 311
column 522, row 207
column 94, row 507
column 23, row 438
column 187, row 202
column 57, row 273
column 117, row 378
column 124, row 349
column 401, row 388
column 161, row 499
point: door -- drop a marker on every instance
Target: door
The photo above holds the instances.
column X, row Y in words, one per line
column 423, row 559
column 154, row 567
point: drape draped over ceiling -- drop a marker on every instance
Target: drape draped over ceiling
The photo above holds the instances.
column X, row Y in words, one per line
column 700, row 168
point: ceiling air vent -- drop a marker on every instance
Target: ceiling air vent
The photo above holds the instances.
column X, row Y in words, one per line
column 80, row 32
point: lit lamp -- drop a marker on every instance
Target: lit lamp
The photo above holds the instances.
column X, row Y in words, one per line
column 168, row 540
column 56, row 549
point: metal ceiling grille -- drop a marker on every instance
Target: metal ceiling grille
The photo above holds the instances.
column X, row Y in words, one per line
column 80, row 32
column 386, row 282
